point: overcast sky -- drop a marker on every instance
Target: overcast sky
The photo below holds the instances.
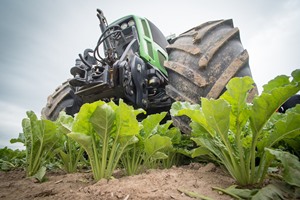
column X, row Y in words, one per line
column 40, row 41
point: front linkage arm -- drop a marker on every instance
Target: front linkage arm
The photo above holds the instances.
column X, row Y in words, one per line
column 114, row 76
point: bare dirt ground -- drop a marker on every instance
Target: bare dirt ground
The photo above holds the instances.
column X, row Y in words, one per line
column 153, row 184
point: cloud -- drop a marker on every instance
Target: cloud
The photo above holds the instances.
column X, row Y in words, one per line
column 274, row 47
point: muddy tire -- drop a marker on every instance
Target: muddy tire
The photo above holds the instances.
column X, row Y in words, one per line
column 203, row 60
column 63, row 99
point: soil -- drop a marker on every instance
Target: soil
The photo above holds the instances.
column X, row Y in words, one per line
column 153, row 184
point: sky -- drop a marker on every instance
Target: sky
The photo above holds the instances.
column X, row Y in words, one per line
column 40, row 41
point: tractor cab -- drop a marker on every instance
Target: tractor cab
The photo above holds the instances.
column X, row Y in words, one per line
column 131, row 67
column 152, row 42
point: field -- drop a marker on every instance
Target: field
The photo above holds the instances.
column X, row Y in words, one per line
column 153, row 184
column 131, row 159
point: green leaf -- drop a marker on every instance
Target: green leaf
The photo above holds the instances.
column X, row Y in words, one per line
column 49, row 133
column 288, row 127
column 291, row 164
column 40, row 174
column 84, row 140
column 21, row 139
column 194, row 194
column 157, row 143
column 237, row 192
column 209, row 144
column 64, row 123
column 236, row 95
column 126, row 122
column 128, row 140
column 217, row 113
column 102, row 120
column 185, row 152
column 269, row 192
column 64, row 157
column 237, row 91
column 159, row 156
column 151, row 123
column 199, row 130
column 279, row 81
column 164, row 128
column 185, row 108
column 195, row 113
column 178, row 107
column 296, row 76
column 81, row 121
column 293, row 145
column 200, row 151
column 173, row 133
column 276, row 92
column 205, row 140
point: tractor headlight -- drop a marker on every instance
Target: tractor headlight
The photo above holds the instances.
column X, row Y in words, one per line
column 124, row 25
column 131, row 23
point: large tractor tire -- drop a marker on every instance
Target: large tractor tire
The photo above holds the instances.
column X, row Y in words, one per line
column 63, row 99
column 202, row 61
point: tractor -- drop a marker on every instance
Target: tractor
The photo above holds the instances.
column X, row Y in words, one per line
column 139, row 65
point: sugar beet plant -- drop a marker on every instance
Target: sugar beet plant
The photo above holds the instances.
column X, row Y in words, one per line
column 68, row 151
column 111, row 135
column 45, row 140
column 239, row 134
column 11, row 159
column 105, row 131
column 39, row 138
column 156, row 146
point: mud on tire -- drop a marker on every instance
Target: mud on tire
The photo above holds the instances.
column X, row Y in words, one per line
column 203, row 60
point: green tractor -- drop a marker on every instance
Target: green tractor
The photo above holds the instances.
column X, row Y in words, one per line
column 139, row 65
